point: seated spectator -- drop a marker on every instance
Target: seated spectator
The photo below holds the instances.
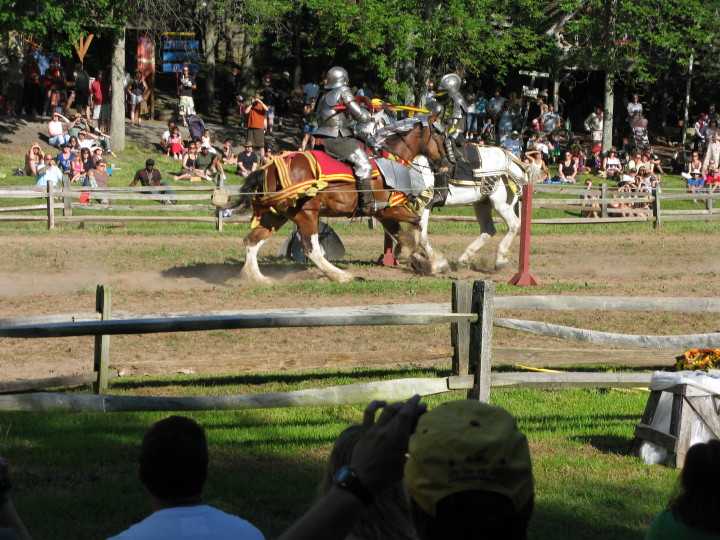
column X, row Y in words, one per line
column 695, row 163
column 536, row 161
column 596, row 160
column 692, row 513
column 712, row 178
column 542, row 144
column 388, row 516
column 453, row 494
column 97, row 154
column 57, row 134
column 579, row 158
column 173, row 468
column 207, row 165
column 595, row 206
column 33, row 159
column 635, row 161
column 77, row 168
column 567, row 169
column 488, row 131
column 165, row 138
column 150, row 176
column 98, row 177
column 48, row 172
column 206, row 139
column 189, row 163
column 65, row 157
column 86, row 158
column 679, row 159
column 74, row 146
column 513, row 144
column 228, row 154
column 247, row 162
column 611, row 167
column 85, row 140
column 695, row 184
column 654, row 161
column 175, row 144
column 645, row 179
column 628, row 179
column 11, row 526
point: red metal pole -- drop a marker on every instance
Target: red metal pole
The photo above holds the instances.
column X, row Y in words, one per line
column 387, row 258
column 524, row 278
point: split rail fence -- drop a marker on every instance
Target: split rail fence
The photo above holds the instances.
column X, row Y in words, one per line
column 470, row 316
column 59, row 205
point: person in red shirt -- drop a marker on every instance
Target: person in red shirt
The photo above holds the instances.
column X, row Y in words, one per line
column 256, row 126
column 100, row 101
column 712, row 177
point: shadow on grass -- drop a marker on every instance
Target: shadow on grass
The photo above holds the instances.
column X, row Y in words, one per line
column 275, row 378
column 609, row 444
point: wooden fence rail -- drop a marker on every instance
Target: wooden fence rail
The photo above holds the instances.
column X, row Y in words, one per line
column 470, row 315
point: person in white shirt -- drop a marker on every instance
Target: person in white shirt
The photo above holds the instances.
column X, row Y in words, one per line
column 173, row 467
column 48, row 172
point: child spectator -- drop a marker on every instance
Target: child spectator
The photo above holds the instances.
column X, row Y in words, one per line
column 695, row 184
column 228, row 154
column 175, row 144
column 77, row 169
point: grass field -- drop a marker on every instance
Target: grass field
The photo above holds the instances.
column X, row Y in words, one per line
column 75, row 475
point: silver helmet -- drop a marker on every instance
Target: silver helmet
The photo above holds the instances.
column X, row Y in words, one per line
column 336, row 77
column 450, row 83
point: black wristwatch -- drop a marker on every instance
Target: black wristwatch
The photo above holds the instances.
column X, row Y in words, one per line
column 346, row 478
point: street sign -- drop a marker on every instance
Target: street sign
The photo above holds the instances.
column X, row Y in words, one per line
column 534, row 73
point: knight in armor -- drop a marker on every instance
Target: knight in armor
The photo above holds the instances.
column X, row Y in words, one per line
column 452, row 123
column 336, row 109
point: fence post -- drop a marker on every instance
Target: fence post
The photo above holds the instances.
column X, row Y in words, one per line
column 603, row 195
column 51, row 205
column 102, row 343
column 460, row 331
column 656, row 206
column 481, row 339
column 709, row 208
column 67, row 200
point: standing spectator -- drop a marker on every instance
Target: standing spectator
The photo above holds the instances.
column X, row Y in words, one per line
column 247, row 162
column 712, row 141
column 48, row 172
column 700, row 126
column 269, row 95
column 634, row 108
column 56, row 130
column 14, row 78
column 365, row 91
column 136, row 95
column 311, row 90
column 55, row 82
column 230, row 95
column 256, row 124
column 32, row 91
column 284, row 94
column 495, row 106
column 185, row 89
column 173, row 468
column 481, row 109
column 100, row 100
column 82, row 91
column 150, row 176
column 471, row 126
column 594, row 126
column 505, row 123
column 309, row 125
column 430, row 93
column 550, row 120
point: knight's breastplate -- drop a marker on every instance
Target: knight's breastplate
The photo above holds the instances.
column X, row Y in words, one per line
column 331, row 121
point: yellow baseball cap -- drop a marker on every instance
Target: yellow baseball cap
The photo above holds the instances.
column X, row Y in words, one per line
column 464, row 446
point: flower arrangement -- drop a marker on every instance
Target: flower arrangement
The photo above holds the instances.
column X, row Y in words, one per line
column 702, row 359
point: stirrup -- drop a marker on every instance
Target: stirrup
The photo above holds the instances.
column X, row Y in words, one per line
column 373, row 206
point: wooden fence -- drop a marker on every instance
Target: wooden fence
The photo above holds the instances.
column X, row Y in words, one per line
column 58, row 205
column 470, row 316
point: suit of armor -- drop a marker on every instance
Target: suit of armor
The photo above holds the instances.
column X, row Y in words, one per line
column 336, row 108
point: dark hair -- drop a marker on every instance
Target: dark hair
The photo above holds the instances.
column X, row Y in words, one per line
column 174, row 458
column 463, row 514
column 388, row 517
column 697, row 498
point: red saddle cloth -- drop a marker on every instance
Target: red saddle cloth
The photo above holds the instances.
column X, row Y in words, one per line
column 334, row 170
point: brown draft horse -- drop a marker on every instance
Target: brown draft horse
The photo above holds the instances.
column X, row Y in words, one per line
column 333, row 200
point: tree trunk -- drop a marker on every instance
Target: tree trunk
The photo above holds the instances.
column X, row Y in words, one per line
column 608, row 113
column 686, row 105
column 117, row 103
column 247, row 65
column 209, row 42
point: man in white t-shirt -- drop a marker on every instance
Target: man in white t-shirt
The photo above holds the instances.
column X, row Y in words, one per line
column 48, row 172
column 173, row 468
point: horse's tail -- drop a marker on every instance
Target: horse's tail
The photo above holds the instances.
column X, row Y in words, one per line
column 253, row 184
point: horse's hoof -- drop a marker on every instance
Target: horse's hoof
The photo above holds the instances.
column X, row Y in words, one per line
column 463, row 261
column 499, row 265
column 443, row 268
column 359, row 278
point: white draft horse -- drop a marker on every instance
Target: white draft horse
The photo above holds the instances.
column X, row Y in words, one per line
column 498, row 169
column 290, row 191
